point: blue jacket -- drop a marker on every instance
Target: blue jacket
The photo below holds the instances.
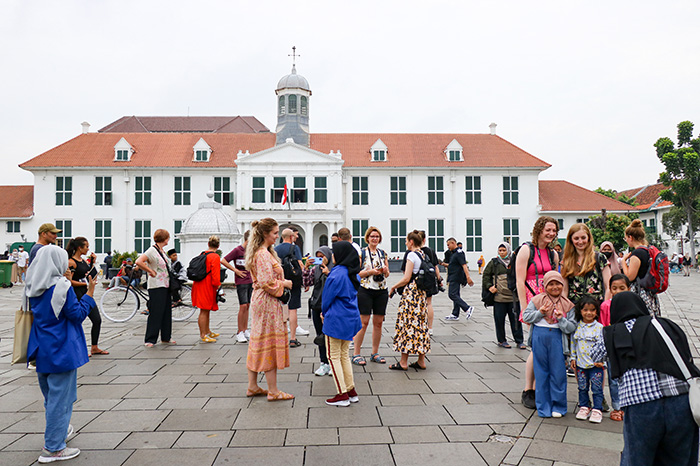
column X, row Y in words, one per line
column 58, row 345
column 341, row 316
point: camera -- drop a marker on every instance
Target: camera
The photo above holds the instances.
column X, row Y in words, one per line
column 440, row 286
column 220, row 296
column 378, row 278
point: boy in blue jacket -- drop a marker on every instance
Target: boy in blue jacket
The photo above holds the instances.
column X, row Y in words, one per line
column 341, row 320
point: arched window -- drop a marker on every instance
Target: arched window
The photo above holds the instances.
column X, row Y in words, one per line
column 323, row 240
column 281, row 105
column 292, row 103
column 304, row 106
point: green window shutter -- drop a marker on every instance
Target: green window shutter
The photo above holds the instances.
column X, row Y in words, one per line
column 178, row 183
column 364, row 183
column 217, row 183
column 147, row 183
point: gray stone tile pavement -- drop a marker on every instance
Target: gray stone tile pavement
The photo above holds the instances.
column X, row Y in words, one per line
column 186, row 404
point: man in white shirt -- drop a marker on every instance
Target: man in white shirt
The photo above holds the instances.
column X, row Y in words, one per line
column 22, row 258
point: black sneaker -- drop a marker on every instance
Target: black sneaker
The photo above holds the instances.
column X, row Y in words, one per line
column 528, row 399
column 570, row 372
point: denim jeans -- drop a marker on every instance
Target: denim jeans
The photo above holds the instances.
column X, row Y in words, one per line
column 614, row 392
column 500, row 311
column 453, row 291
column 60, row 392
column 660, row 432
column 550, row 371
column 593, row 377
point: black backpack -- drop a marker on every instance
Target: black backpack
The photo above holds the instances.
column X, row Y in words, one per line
column 512, row 282
column 197, row 268
column 291, row 268
column 426, row 278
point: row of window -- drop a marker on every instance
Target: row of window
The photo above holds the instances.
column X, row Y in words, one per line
column 297, row 194
column 288, row 104
column 103, row 234
column 436, row 190
column 182, row 187
column 435, row 233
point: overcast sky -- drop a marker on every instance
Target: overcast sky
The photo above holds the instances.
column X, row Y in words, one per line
column 586, row 86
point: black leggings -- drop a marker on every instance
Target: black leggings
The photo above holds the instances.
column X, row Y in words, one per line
column 318, row 325
column 159, row 316
column 96, row 320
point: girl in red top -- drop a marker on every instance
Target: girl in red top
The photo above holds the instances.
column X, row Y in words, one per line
column 204, row 291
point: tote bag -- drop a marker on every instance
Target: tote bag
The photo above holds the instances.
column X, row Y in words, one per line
column 23, row 327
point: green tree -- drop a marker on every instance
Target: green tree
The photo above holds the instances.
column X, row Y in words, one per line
column 682, row 175
column 611, row 227
column 614, row 195
column 675, row 219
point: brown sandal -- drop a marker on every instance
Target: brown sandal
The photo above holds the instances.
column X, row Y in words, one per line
column 257, row 392
column 279, row 396
column 617, row 415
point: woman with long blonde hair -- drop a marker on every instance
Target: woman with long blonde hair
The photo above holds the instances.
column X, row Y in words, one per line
column 268, row 350
column 587, row 272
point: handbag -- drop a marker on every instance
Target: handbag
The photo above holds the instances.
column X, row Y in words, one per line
column 488, row 298
column 23, row 327
column 285, row 296
column 694, row 382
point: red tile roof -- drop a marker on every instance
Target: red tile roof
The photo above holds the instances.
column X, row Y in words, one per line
column 16, row 201
column 647, row 196
column 197, row 124
column 176, row 150
column 562, row 196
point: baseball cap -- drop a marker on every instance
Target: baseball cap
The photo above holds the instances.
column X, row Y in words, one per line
column 48, row 227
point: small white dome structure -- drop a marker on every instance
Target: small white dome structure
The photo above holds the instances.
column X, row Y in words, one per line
column 209, row 219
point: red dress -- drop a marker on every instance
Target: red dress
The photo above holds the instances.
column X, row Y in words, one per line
column 204, row 292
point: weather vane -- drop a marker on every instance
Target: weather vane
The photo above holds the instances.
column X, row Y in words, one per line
column 294, row 55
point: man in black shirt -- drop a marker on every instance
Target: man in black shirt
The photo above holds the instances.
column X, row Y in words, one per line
column 457, row 275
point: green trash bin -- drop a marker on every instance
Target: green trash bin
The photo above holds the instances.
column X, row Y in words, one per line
column 6, row 273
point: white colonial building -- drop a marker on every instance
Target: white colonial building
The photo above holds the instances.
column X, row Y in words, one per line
column 118, row 185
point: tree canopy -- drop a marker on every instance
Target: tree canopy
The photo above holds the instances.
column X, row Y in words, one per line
column 614, row 195
column 682, row 174
column 611, row 227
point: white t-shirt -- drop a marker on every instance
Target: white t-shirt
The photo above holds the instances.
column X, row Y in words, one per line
column 415, row 258
column 22, row 259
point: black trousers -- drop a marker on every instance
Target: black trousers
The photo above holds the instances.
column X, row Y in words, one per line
column 500, row 311
column 96, row 320
column 159, row 316
column 318, row 326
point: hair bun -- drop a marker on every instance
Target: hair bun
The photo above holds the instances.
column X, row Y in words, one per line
column 254, row 224
column 636, row 223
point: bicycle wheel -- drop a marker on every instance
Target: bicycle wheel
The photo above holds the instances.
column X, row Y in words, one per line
column 184, row 310
column 119, row 304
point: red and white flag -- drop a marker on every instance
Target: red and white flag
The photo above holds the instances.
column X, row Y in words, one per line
column 284, row 195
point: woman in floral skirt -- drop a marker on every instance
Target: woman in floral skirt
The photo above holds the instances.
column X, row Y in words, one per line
column 411, row 335
column 268, row 350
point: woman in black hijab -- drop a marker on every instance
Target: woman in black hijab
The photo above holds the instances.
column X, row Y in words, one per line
column 659, row 428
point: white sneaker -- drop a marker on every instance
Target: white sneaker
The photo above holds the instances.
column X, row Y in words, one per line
column 324, row 369
column 430, row 332
column 301, row 331
column 468, row 312
column 65, row 454
column 240, row 337
column 451, row 317
column 247, row 333
column 556, row 414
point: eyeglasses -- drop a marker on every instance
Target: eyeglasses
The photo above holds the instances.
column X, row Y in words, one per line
column 375, row 236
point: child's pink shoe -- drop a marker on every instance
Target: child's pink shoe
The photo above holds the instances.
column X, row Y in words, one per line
column 583, row 413
column 596, row 416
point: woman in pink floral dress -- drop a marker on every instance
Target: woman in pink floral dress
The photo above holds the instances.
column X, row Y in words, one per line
column 268, row 349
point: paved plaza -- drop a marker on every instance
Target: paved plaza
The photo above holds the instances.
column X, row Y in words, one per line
column 186, row 404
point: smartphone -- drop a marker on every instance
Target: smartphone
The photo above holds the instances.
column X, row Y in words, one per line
column 318, row 261
column 391, row 295
column 93, row 272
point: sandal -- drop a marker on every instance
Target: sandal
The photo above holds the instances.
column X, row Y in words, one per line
column 149, row 345
column 279, row 396
column 99, row 351
column 378, row 359
column 522, row 346
column 397, row 367
column 416, row 366
column 617, row 415
column 257, row 392
column 294, row 343
column 503, row 344
column 169, row 342
column 359, row 360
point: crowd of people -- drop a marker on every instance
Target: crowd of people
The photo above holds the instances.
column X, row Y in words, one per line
column 588, row 312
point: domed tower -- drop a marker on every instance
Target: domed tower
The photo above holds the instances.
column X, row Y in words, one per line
column 293, row 94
